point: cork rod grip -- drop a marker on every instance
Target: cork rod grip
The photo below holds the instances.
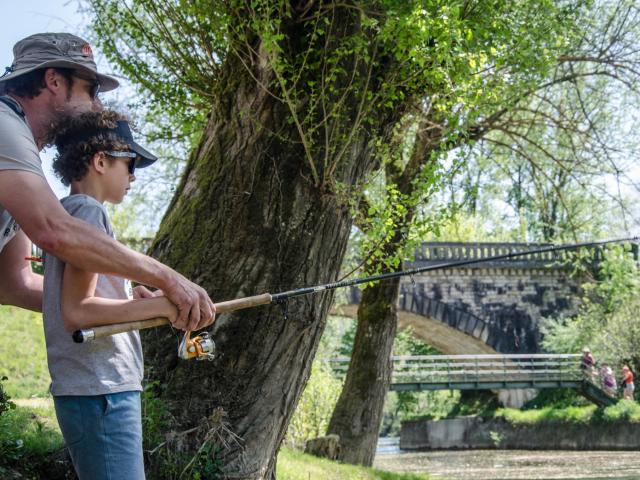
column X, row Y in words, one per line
column 81, row 336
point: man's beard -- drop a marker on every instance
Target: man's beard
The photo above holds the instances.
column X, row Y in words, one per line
column 57, row 117
column 60, row 115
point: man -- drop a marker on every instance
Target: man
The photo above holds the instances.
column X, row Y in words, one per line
column 54, row 74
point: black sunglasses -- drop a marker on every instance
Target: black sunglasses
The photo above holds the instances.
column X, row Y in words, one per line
column 132, row 158
column 94, row 88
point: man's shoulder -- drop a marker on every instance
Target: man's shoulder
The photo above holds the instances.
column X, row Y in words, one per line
column 18, row 149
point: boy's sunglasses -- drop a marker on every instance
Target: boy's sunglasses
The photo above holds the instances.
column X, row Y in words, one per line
column 94, row 88
column 132, row 158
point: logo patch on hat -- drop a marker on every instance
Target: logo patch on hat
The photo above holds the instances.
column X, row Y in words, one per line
column 86, row 50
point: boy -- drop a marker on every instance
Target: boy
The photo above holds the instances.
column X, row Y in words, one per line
column 96, row 386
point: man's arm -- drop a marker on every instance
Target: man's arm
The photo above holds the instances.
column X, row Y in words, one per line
column 33, row 205
column 18, row 284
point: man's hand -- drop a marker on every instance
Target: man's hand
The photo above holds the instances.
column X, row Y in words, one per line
column 195, row 308
column 143, row 292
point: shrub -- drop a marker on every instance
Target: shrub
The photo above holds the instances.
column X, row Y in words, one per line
column 316, row 405
column 5, row 401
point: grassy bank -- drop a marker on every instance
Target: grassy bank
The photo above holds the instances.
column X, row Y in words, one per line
column 29, row 433
column 293, row 465
column 23, row 356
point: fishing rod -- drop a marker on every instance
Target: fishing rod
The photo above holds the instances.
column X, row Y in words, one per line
column 202, row 346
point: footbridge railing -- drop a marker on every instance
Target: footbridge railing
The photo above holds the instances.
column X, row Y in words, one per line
column 479, row 372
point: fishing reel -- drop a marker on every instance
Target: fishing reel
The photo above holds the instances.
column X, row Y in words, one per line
column 200, row 347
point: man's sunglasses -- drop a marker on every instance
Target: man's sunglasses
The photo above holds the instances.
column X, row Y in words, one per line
column 132, row 158
column 94, row 88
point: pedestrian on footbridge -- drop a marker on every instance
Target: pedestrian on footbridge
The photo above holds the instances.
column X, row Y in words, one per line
column 627, row 383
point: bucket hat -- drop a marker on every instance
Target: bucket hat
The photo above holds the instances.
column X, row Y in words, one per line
column 49, row 50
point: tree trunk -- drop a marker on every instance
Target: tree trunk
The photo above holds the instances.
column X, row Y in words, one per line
column 246, row 220
column 357, row 416
column 358, row 413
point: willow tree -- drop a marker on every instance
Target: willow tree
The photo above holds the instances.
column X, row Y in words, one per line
column 552, row 120
column 288, row 104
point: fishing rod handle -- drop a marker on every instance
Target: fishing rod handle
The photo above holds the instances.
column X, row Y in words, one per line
column 86, row 335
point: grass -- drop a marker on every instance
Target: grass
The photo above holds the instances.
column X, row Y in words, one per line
column 294, row 465
column 24, row 357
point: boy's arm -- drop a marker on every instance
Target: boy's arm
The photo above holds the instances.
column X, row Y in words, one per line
column 82, row 309
column 18, row 284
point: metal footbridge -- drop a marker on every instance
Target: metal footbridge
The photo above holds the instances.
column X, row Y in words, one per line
column 489, row 372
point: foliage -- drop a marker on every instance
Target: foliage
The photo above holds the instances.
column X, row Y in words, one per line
column 5, row 400
column 548, row 414
column 24, row 359
column 558, row 163
column 482, row 402
column 27, row 438
column 207, row 465
column 318, row 400
column 556, row 397
column 607, row 320
column 294, row 465
column 155, row 417
column 623, row 411
column 432, row 141
column 461, row 56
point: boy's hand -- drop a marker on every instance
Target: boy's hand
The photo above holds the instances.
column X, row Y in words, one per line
column 172, row 312
column 142, row 292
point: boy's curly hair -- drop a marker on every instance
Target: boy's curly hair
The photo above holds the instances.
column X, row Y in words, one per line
column 73, row 158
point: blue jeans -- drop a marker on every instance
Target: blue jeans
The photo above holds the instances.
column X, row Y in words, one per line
column 103, row 434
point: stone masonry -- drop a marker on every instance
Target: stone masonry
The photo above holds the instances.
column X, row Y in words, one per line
column 498, row 302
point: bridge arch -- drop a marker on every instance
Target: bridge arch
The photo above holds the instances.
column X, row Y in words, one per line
column 441, row 336
column 495, row 306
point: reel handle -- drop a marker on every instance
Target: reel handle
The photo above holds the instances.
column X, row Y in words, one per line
column 86, row 335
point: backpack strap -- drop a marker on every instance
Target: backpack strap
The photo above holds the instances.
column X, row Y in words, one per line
column 13, row 105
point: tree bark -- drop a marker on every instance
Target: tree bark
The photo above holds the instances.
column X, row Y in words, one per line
column 246, row 219
column 358, row 413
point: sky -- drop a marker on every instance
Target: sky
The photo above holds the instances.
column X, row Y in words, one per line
column 26, row 17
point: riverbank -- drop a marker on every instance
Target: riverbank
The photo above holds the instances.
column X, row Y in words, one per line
column 514, row 464
column 553, row 428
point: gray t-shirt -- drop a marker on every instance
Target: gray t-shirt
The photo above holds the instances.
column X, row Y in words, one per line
column 18, row 151
column 104, row 365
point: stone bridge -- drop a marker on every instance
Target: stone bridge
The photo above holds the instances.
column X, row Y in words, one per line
column 494, row 306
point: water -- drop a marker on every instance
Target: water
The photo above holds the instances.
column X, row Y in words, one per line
column 509, row 464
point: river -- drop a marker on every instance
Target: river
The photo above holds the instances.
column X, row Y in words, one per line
column 509, row 464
